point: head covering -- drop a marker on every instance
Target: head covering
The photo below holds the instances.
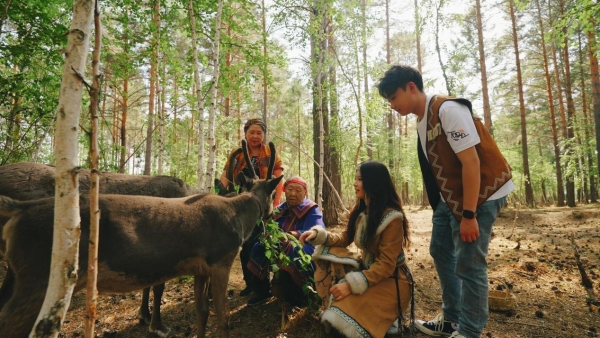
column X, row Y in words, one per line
column 256, row 121
column 296, row 180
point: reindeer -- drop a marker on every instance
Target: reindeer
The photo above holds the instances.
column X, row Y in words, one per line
column 144, row 241
column 27, row 181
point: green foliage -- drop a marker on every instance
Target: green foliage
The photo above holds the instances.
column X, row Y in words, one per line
column 274, row 241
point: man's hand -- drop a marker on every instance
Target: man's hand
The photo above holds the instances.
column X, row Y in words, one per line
column 469, row 229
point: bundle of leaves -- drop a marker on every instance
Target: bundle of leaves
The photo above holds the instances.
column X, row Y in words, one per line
column 275, row 241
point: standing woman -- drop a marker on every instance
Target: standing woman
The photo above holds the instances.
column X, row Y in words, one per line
column 260, row 154
column 367, row 301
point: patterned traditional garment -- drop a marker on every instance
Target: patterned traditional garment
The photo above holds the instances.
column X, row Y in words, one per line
column 372, row 306
column 294, row 221
column 260, row 163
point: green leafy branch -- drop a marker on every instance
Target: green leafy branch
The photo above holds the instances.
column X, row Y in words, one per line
column 274, row 240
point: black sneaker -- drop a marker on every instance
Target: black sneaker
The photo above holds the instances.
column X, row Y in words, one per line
column 258, row 300
column 437, row 326
column 246, row 292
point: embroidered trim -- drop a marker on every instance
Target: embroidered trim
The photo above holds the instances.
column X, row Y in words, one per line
column 323, row 252
column 359, row 329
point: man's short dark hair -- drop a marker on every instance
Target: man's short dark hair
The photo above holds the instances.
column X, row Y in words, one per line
column 398, row 76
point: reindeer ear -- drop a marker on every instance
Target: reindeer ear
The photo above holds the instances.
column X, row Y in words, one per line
column 273, row 183
column 243, row 181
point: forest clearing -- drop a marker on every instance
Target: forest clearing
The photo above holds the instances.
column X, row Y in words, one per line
column 537, row 263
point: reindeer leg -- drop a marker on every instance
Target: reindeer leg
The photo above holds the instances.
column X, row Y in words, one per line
column 201, row 300
column 6, row 290
column 156, row 325
column 219, row 279
column 144, row 312
column 20, row 311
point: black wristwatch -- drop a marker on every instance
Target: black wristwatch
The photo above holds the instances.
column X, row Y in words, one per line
column 469, row 214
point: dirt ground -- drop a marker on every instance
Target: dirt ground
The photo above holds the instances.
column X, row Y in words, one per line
column 531, row 252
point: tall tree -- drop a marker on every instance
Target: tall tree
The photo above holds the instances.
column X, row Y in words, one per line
column 487, row 113
column 570, row 111
column 364, row 45
column 212, row 110
column 439, row 19
column 595, row 80
column 526, row 173
column 557, row 155
column 65, row 243
column 154, row 45
column 199, row 99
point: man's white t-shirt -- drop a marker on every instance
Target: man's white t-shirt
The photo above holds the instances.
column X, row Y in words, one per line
column 460, row 130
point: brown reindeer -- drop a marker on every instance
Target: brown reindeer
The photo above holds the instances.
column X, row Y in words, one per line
column 144, row 241
column 28, row 181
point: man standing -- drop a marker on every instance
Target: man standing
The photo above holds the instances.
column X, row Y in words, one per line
column 467, row 181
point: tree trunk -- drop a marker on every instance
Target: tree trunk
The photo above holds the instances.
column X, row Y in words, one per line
column 210, row 166
column 570, row 114
column 265, row 64
column 318, row 49
column 161, row 120
column 153, row 71
column 559, row 177
column 487, row 113
column 332, row 156
column 199, row 100
column 65, row 243
column 593, row 192
column 438, row 48
column 92, row 269
column 366, row 78
column 424, row 198
column 390, row 115
column 528, row 187
column 125, row 95
column 595, row 79
column 123, row 131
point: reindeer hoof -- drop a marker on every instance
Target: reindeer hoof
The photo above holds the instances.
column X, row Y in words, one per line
column 161, row 332
column 144, row 318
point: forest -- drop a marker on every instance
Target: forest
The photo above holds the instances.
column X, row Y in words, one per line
column 177, row 80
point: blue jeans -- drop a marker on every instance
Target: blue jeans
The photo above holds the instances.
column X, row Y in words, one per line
column 462, row 266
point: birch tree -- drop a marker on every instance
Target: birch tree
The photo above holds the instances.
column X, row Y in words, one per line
column 92, row 273
column 199, row 99
column 65, row 242
column 210, row 167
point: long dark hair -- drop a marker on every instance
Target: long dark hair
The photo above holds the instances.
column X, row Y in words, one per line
column 381, row 193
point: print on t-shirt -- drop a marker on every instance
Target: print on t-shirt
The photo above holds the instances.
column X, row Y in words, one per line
column 458, row 135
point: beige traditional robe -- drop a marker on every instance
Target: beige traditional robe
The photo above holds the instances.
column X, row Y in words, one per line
column 372, row 307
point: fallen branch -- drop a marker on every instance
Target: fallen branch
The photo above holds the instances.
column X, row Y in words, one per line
column 527, row 324
column 585, row 280
column 514, row 222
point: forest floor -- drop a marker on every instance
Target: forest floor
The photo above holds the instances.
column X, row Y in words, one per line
column 531, row 252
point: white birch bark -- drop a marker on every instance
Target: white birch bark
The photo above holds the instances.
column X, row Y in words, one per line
column 66, row 210
column 199, row 101
column 92, row 267
column 210, row 167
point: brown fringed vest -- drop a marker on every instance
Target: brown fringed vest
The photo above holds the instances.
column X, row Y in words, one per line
column 442, row 170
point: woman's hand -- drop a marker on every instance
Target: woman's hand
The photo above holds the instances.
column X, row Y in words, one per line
column 308, row 236
column 340, row 291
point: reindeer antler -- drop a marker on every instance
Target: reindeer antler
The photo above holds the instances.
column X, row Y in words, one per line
column 232, row 163
column 247, row 158
column 271, row 160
